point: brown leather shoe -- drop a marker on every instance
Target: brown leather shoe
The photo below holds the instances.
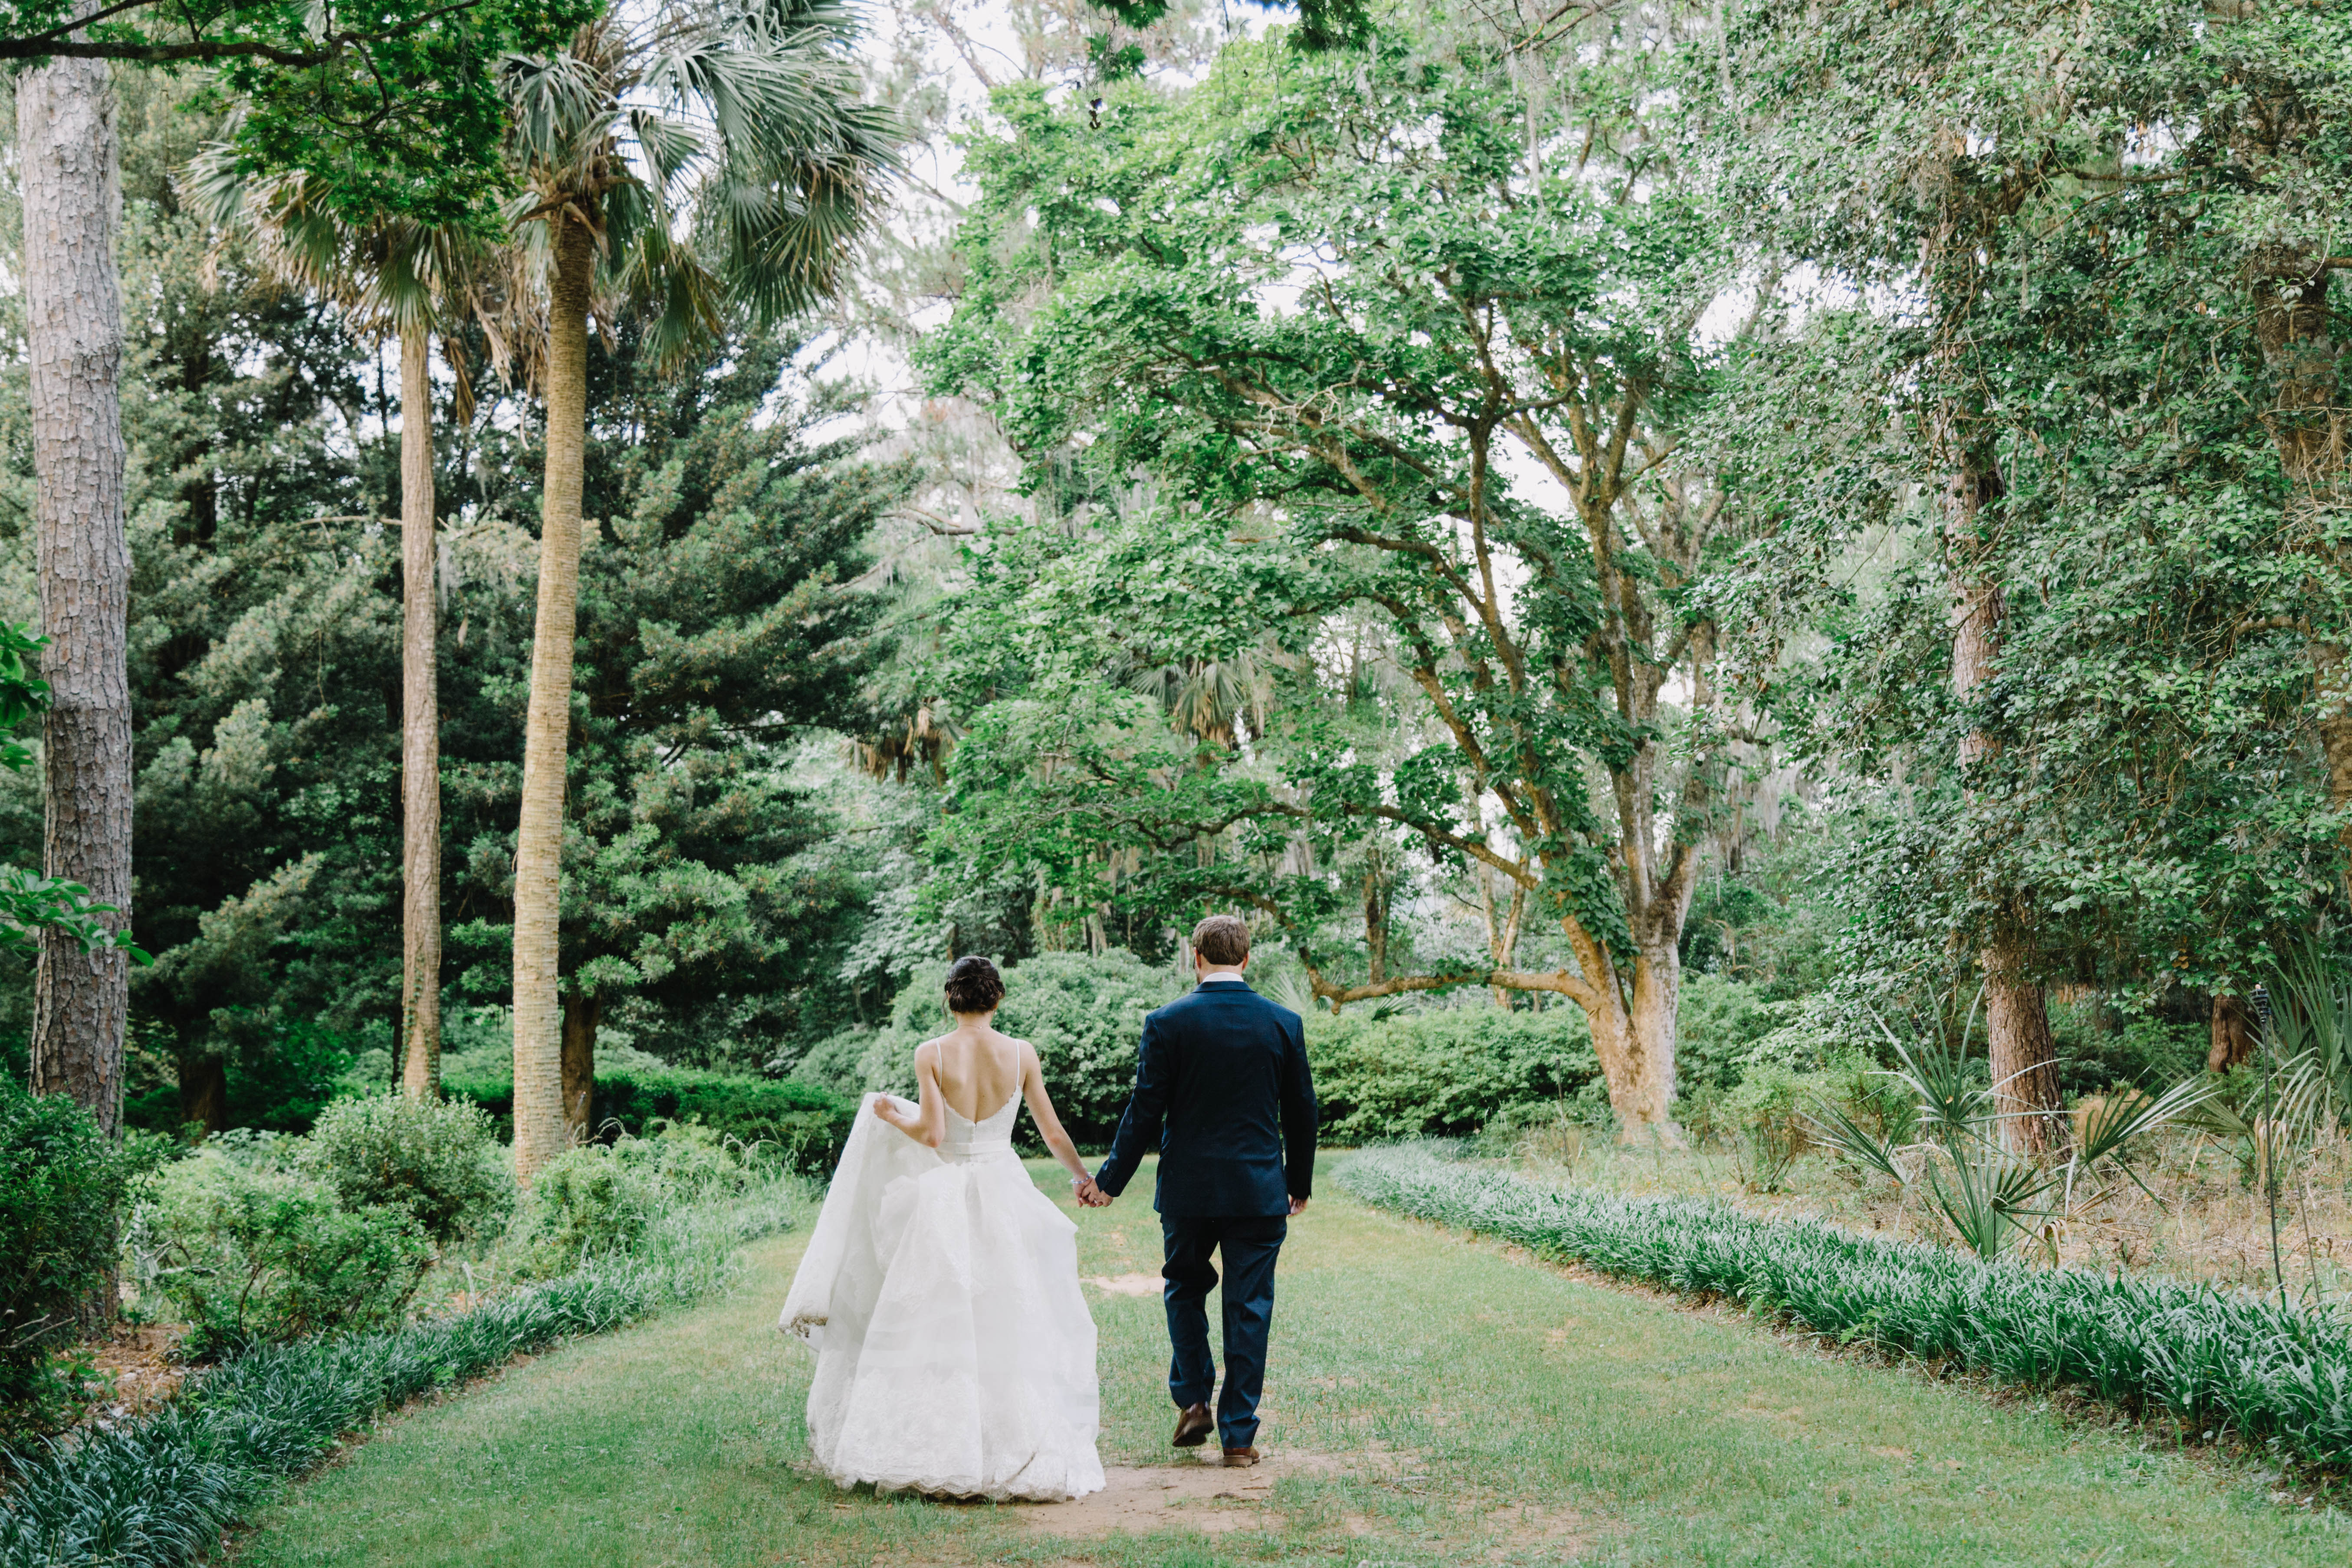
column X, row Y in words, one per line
column 1240, row 1458
column 1193, row 1427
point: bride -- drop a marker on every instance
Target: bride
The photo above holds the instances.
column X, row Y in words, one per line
column 955, row 1354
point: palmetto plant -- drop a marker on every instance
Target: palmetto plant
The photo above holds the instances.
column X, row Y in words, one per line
column 680, row 161
column 1949, row 1148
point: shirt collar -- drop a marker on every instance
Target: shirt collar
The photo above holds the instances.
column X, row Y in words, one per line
column 1224, row 977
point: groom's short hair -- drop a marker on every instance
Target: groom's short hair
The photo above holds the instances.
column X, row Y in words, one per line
column 1223, row 940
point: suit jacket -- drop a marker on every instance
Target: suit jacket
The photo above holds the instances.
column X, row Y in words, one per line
column 1223, row 1091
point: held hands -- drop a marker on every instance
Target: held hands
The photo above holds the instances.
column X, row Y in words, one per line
column 1090, row 1195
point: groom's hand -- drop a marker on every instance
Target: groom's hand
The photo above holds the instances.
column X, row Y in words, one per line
column 1090, row 1195
column 1299, row 1206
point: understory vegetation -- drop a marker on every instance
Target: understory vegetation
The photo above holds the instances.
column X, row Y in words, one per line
column 333, row 1277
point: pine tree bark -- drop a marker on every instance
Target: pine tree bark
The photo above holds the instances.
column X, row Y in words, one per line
column 420, row 731
column 541, row 1129
column 73, row 309
column 2024, row 1063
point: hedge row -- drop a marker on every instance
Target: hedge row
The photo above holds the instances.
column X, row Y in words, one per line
column 808, row 1123
column 2219, row 1361
column 158, row 1491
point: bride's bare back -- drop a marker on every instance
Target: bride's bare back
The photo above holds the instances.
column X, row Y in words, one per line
column 977, row 1068
column 973, row 1069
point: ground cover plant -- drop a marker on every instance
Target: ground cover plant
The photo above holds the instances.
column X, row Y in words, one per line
column 2218, row 1361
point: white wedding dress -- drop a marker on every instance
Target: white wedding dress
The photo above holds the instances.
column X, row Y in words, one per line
column 954, row 1351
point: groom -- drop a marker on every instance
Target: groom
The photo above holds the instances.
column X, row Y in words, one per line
column 1224, row 1070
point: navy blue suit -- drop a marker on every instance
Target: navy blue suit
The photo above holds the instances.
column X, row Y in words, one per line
column 1223, row 1091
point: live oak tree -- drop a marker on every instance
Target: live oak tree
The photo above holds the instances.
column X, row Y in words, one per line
column 688, row 160
column 1369, row 334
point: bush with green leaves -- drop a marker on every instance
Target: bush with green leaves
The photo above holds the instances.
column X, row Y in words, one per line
column 157, row 1491
column 805, row 1123
column 603, row 1200
column 2219, row 1361
column 62, row 1188
column 250, row 1249
column 1450, row 1071
column 438, row 1160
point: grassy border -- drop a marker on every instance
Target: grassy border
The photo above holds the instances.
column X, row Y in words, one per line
column 2224, row 1362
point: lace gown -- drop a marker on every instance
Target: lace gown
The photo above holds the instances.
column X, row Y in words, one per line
column 955, row 1354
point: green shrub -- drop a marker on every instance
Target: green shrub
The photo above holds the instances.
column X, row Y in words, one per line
column 1718, row 1021
column 804, row 1123
column 1452, row 1071
column 159, row 1489
column 2220, row 1361
column 1083, row 1013
column 439, row 1160
column 250, row 1250
column 2095, row 1051
column 62, row 1187
column 602, row 1200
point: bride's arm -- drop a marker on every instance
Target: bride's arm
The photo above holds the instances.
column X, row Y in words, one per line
column 929, row 1122
column 1041, row 1112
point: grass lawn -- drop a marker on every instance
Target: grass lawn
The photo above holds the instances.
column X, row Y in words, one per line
column 1431, row 1400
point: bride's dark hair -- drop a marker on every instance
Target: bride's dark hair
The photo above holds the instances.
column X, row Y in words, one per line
column 973, row 985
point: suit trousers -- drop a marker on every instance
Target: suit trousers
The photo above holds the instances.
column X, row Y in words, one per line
column 1249, row 1245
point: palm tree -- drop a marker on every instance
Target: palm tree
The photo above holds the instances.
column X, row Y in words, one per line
column 413, row 281
column 682, row 159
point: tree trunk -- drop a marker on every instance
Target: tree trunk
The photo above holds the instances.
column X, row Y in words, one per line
column 420, row 731
column 2025, row 1091
column 1635, row 1038
column 581, row 1016
column 73, row 310
column 2232, row 1036
column 204, row 1093
column 541, row 1130
column 2016, row 1022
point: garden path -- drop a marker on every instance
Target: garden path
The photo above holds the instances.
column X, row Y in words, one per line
column 1432, row 1401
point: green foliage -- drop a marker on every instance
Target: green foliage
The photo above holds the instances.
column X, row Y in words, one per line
column 62, row 1187
column 396, row 105
column 2218, row 1361
column 157, row 1491
column 1450, row 1071
column 1718, row 1023
column 439, row 1161
column 249, row 1250
column 802, row 1124
column 1281, row 462
column 603, row 1200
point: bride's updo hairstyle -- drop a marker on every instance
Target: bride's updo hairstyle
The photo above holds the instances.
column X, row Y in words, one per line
column 973, row 985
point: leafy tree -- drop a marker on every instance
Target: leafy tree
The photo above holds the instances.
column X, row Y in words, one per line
column 1364, row 353
column 2068, row 516
column 410, row 280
